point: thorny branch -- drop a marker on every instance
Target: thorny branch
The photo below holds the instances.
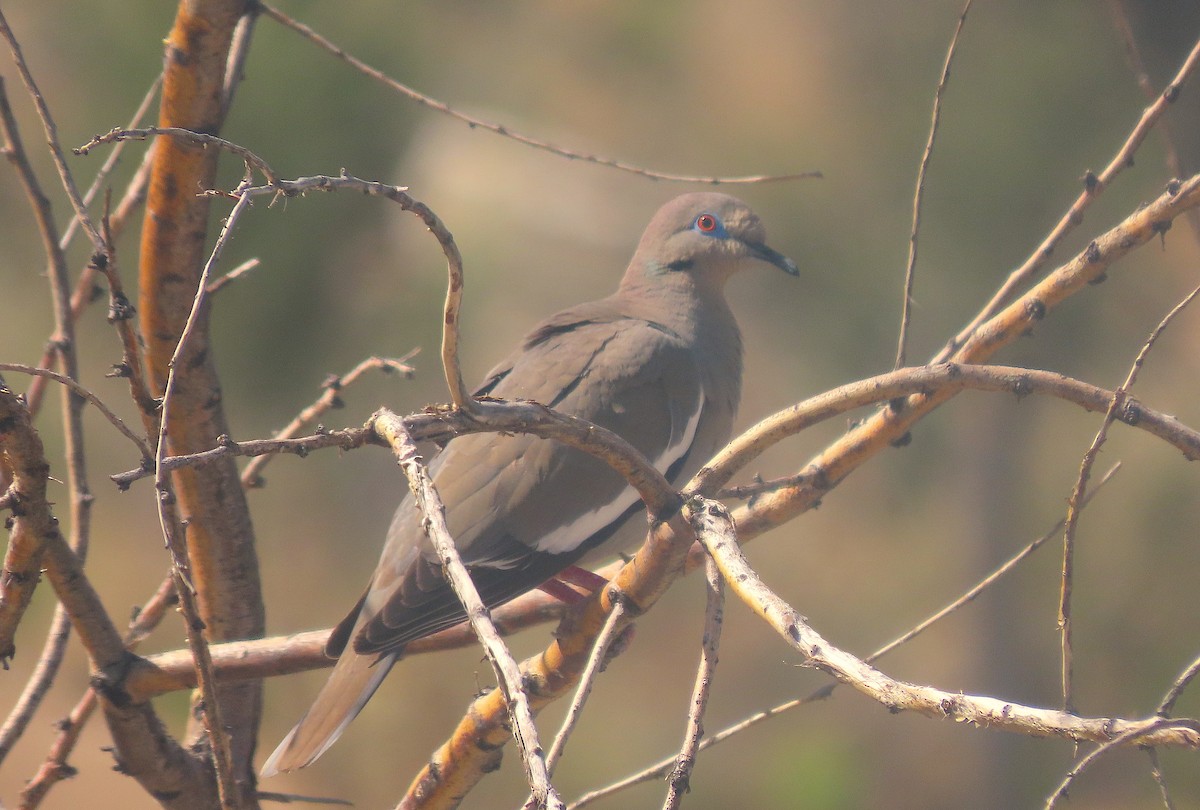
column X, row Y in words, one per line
column 720, row 540
column 508, row 676
column 1093, row 185
column 505, row 131
column 1079, row 492
column 910, row 270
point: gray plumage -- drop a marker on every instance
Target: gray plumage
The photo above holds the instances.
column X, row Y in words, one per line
column 659, row 362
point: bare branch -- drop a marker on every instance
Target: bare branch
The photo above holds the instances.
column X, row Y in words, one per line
column 23, row 456
column 1080, row 489
column 85, row 291
column 116, row 135
column 663, row 768
column 459, row 393
column 942, row 381
column 502, row 130
column 347, row 439
column 110, row 162
column 1093, row 185
column 239, row 52
column 172, row 528
column 55, row 768
column 86, row 394
column 1168, row 703
column 910, row 271
column 678, row 782
column 233, row 275
column 1133, row 735
column 721, row 541
column 499, row 416
column 301, row 652
column 1160, row 779
column 991, row 579
column 329, row 399
column 121, row 315
column 52, row 142
column 64, row 346
column 891, row 424
column 508, row 676
column 1174, row 164
column 595, row 663
column 88, row 616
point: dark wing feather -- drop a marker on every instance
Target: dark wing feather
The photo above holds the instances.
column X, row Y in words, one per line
column 627, row 375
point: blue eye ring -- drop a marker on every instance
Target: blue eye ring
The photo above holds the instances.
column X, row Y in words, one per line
column 709, row 225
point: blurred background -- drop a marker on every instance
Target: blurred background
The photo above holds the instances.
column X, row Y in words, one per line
column 1040, row 93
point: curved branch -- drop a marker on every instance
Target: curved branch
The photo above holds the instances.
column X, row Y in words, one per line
column 891, row 424
column 944, row 380
column 183, row 135
column 86, row 394
column 530, row 417
column 504, row 131
column 715, row 529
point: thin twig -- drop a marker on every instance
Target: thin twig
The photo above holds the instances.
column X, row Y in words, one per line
column 52, row 142
column 172, row 530
column 110, row 162
column 330, row 398
column 233, row 275
column 1080, row 489
column 39, row 682
column 530, row 417
column 987, row 582
column 910, row 270
column 1160, row 779
column 239, row 52
column 1121, row 20
column 297, row 798
column 508, row 674
column 85, row 286
column 720, row 539
column 345, row 439
column 1181, row 683
column 116, row 135
column 663, row 767
column 1125, row 738
column 87, row 395
column 759, row 486
column 502, row 130
column 1092, row 187
column 120, row 315
column 679, row 780
column 595, row 662
column 460, row 395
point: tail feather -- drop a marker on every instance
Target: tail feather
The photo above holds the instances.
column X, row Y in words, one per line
column 353, row 680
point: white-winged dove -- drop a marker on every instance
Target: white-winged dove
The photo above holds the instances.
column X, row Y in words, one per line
column 659, row 362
